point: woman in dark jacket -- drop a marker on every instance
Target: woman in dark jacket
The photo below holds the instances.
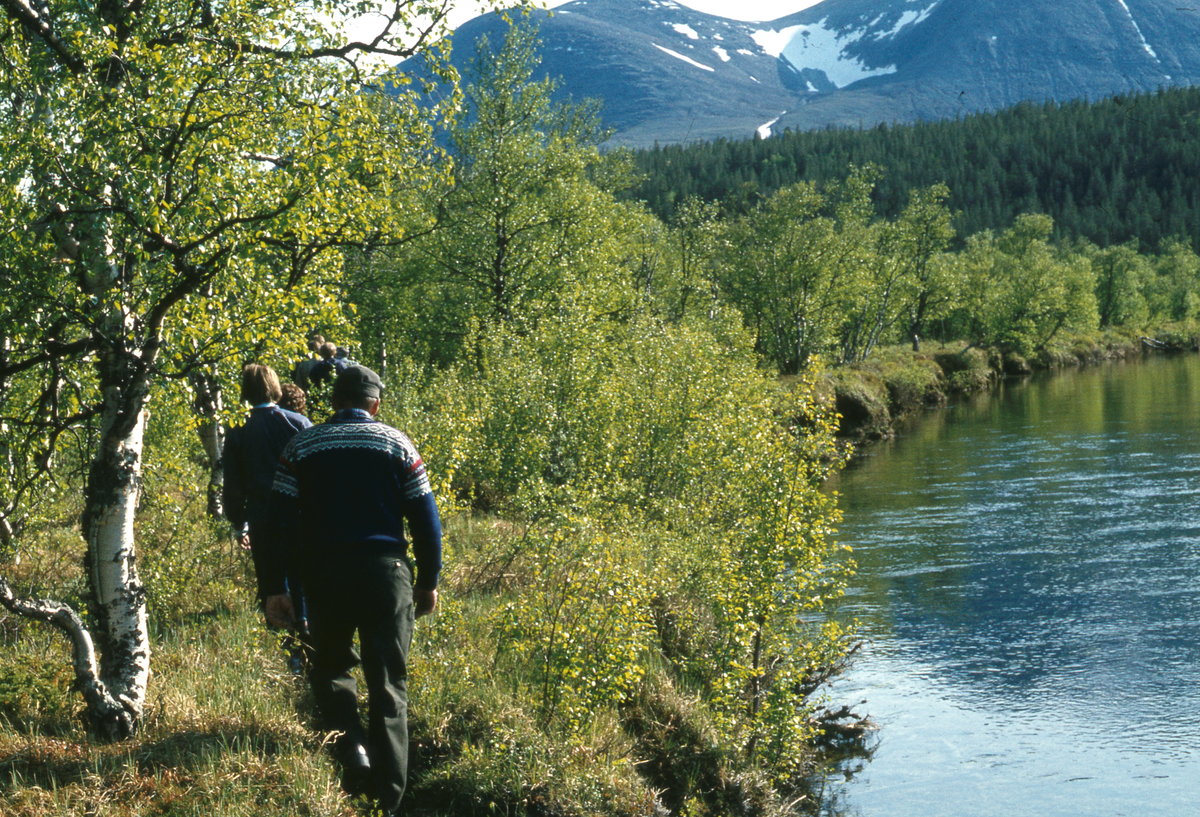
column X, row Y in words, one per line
column 250, row 459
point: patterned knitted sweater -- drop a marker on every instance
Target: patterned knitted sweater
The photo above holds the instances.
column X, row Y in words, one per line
column 347, row 486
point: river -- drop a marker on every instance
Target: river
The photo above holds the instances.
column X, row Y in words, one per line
column 1029, row 589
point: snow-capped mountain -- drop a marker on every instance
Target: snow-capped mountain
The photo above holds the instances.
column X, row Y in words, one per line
column 670, row 74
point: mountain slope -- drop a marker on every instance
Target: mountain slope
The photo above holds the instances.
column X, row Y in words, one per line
column 665, row 72
column 669, row 74
column 969, row 55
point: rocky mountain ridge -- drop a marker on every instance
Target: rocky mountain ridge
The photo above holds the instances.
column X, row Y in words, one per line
column 670, row 74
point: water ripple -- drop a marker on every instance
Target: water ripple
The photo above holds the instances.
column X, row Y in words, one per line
column 1029, row 577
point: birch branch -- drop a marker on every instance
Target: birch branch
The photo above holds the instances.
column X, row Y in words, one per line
column 105, row 709
column 38, row 25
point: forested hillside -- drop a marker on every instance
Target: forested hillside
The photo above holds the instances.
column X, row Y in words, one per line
column 1108, row 171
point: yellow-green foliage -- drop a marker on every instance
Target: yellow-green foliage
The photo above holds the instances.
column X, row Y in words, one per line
column 662, row 511
column 658, row 536
column 579, row 624
column 655, row 541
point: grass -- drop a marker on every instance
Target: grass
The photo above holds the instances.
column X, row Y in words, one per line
column 223, row 734
column 228, row 731
column 225, row 731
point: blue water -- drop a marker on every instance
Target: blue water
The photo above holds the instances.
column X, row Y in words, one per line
column 1029, row 589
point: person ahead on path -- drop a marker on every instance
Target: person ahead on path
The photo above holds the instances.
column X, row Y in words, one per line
column 302, row 373
column 293, row 399
column 348, row 497
column 250, row 459
column 325, row 369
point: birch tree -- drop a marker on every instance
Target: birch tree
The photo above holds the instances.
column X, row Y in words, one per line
column 787, row 271
column 1019, row 290
column 160, row 161
column 524, row 209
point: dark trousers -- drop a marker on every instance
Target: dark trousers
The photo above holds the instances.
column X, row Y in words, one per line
column 372, row 594
column 258, row 556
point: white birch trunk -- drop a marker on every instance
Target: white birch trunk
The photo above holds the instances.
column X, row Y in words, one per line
column 111, row 498
column 212, row 436
column 119, row 596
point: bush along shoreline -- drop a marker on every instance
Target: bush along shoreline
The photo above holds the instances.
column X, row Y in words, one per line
column 874, row 398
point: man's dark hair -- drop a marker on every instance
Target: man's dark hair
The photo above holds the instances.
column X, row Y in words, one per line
column 260, row 384
column 326, row 350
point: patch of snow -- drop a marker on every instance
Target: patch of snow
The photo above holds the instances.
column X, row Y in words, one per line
column 906, row 19
column 1141, row 36
column 686, row 31
column 688, row 60
column 746, row 51
column 722, row 53
column 773, row 42
column 820, row 49
column 717, row 37
column 754, row 78
column 812, row 89
column 765, row 130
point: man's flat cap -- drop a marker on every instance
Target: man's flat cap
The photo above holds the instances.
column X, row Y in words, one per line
column 358, row 381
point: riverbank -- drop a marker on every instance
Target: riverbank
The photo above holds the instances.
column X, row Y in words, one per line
column 874, row 397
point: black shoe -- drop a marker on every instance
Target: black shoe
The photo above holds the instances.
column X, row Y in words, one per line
column 356, row 769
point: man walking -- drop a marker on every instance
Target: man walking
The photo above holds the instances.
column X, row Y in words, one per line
column 344, row 494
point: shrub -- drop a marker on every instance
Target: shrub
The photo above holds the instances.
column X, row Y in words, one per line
column 36, row 694
column 661, row 516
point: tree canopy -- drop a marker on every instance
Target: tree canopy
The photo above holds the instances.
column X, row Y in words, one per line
column 172, row 173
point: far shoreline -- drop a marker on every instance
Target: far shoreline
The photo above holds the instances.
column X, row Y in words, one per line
column 872, row 399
